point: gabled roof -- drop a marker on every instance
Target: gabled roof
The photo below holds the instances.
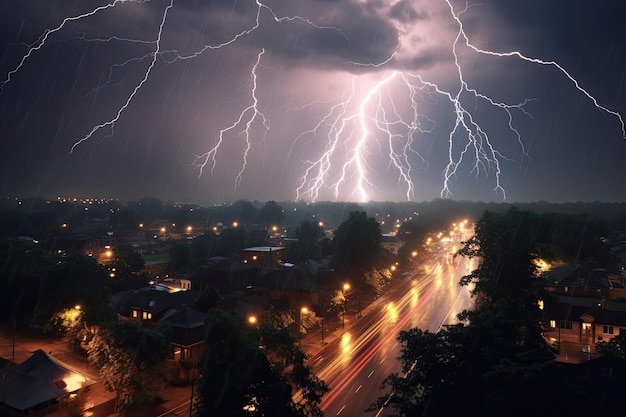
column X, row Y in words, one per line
column 186, row 318
column 576, row 313
column 390, row 239
column 267, row 249
column 41, row 378
column 149, row 299
column 295, row 279
column 249, row 303
column 578, row 276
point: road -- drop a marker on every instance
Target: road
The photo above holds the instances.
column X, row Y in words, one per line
column 355, row 364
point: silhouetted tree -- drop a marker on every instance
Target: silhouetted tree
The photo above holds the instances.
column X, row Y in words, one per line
column 308, row 235
column 356, row 245
column 271, row 214
column 238, row 378
column 131, row 360
column 497, row 352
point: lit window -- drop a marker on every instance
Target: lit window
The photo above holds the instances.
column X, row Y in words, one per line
column 552, row 324
column 147, row 315
column 135, row 314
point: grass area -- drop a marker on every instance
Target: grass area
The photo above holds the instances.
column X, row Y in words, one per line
column 156, row 257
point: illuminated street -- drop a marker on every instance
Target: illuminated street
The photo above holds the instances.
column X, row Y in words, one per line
column 355, row 363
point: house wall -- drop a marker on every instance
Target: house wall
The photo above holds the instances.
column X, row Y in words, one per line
column 600, row 331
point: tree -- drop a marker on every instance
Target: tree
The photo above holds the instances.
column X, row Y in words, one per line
column 241, row 378
column 67, row 322
column 616, row 346
column 232, row 241
column 506, row 278
column 26, row 273
column 79, row 280
column 496, row 356
column 271, row 214
column 131, row 360
column 306, row 247
column 356, row 245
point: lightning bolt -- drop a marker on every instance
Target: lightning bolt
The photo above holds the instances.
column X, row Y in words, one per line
column 368, row 120
column 247, row 117
column 43, row 39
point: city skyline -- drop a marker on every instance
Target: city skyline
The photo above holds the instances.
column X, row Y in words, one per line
column 314, row 100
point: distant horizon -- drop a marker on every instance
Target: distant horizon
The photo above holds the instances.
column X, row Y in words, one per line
column 84, row 199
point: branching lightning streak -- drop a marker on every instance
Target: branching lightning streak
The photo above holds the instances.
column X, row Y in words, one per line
column 209, row 157
column 477, row 140
column 111, row 122
column 536, row 61
column 364, row 117
column 44, row 38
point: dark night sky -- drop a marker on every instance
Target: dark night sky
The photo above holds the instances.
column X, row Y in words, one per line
column 355, row 100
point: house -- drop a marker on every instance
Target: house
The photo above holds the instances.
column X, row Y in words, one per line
column 391, row 243
column 146, row 305
column 150, row 307
column 223, row 274
column 577, row 306
column 265, row 258
column 292, row 286
column 187, row 333
column 582, row 324
column 577, row 284
column 36, row 386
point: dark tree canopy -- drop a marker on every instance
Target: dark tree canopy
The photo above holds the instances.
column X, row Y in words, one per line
column 131, row 360
column 307, row 246
column 271, row 214
column 497, row 355
column 356, row 245
column 239, row 378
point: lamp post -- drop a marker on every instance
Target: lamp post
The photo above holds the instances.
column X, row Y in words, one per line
column 322, row 329
column 303, row 310
column 345, row 288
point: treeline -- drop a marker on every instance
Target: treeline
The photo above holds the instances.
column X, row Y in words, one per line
column 40, row 218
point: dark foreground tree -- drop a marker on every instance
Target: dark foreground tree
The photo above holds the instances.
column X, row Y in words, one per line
column 253, row 371
column 495, row 362
column 356, row 246
column 131, row 359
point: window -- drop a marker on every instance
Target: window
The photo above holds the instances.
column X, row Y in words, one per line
column 552, row 324
column 147, row 315
column 135, row 314
column 564, row 324
column 607, row 330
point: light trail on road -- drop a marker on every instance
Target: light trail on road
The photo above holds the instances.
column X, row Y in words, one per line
column 367, row 351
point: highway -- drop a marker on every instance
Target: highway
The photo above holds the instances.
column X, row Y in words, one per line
column 355, row 364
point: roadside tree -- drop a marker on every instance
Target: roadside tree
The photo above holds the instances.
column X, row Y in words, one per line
column 131, row 359
column 254, row 370
column 356, row 246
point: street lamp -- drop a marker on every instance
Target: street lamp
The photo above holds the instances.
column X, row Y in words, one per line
column 345, row 288
column 303, row 310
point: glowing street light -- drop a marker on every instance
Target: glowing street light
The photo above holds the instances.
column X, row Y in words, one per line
column 303, row 310
column 345, row 288
column 252, row 320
